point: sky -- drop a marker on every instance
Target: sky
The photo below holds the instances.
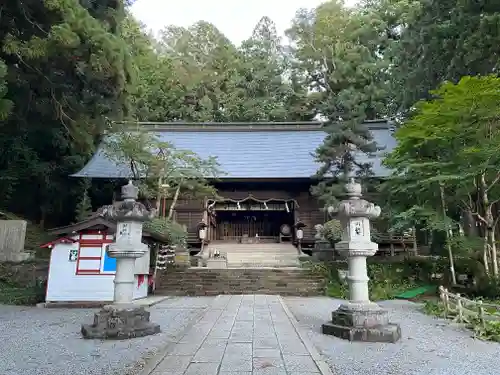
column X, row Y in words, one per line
column 235, row 18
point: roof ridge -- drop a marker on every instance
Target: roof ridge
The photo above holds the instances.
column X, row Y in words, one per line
column 185, row 126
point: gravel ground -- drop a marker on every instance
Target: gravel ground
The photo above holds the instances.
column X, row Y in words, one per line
column 47, row 341
column 429, row 346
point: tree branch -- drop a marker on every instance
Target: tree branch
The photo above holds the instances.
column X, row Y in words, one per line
column 494, row 182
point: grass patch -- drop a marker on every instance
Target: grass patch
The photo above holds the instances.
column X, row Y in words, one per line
column 13, row 294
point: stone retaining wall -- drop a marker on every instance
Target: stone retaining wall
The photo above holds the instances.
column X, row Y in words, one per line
column 207, row 282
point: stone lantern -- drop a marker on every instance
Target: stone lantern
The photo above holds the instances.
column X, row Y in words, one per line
column 122, row 319
column 359, row 319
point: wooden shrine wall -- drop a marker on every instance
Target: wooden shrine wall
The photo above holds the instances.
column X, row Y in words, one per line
column 190, row 212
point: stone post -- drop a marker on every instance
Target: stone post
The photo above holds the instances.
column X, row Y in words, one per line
column 359, row 319
column 122, row 319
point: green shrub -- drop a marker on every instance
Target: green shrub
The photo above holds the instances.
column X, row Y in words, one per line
column 386, row 280
column 332, row 231
column 488, row 288
column 391, row 276
column 172, row 231
column 15, row 294
column 433, row 308
column 490, row 331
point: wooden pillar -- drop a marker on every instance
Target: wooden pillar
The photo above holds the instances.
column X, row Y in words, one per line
column 206, row 220
column 415, row 246
column 391, row 242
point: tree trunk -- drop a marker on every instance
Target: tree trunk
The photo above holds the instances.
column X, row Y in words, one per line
column 174, row 202
column 43, row 217
column 448, row 237
column 493, row 247
column 490, row 223
column 158, row 196
column 486, row 256
column 470, row 223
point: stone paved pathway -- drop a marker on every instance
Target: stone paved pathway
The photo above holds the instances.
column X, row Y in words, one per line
column 242, row 335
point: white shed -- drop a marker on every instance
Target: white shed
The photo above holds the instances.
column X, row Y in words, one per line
column 80, row 269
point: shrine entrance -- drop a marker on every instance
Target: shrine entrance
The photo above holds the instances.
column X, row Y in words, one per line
column 250, row 221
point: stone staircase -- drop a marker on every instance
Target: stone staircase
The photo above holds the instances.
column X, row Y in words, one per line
column 210, row 282
column 258, row 254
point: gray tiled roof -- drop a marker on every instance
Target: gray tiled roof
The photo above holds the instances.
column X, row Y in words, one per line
column 283, row 152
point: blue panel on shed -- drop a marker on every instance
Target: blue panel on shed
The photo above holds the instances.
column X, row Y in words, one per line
column 109, row 264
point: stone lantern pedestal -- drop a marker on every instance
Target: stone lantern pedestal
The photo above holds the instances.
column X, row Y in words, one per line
column 359, row 319
column 122, row 319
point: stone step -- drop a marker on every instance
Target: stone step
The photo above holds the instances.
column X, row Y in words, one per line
column 255, row 247
column 292, row 262
column 286, row 258
column 203, row 281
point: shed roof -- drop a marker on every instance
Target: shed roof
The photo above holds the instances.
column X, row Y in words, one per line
column 97, row 220
column 248, row 150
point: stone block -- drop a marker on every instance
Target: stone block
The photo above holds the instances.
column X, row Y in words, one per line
column 370, row 324
column 12, row 237
column 120, row 322
column 182, row 258
column 389, row 333
column 207, row 368
column 236, row 363
column 355, row 318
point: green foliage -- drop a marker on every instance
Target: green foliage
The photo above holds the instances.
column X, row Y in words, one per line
column 391, row 277
column 435, row 41
column 20, row 284
column 433, row 308
column 488, row 288
column 84, row 206
column 159, row 166
column 386, row 281
column 332, row 231
column 489, row 331
column 68, row 66
column 93, row 63
column 337, row 48
column 447, row 154
column 14, row 294
column 174, row 233
column 67, row 70
column 5, row 104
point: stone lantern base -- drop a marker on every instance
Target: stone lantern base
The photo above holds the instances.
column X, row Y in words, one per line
column 115, row 322
column 368, row 323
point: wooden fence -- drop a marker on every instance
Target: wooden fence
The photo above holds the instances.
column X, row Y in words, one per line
column 463, row 310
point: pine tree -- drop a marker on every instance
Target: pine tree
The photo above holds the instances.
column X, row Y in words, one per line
column 338, row 47
column 341, row 156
